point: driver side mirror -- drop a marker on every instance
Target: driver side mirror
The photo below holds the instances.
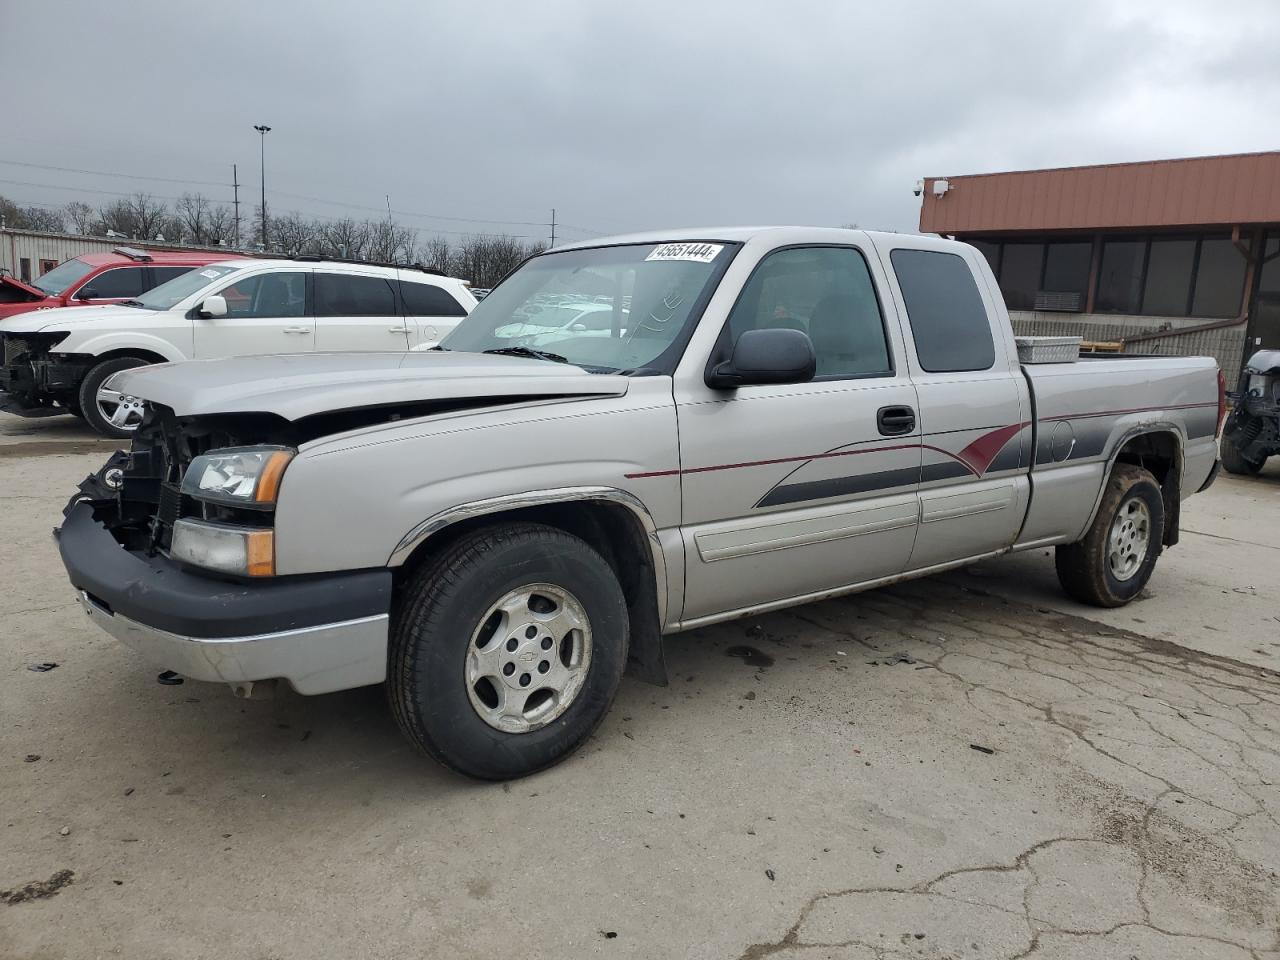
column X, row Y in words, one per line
column 214, row 306
column 766, row 356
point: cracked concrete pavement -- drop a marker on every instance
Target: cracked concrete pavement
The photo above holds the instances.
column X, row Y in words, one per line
column 957, row 767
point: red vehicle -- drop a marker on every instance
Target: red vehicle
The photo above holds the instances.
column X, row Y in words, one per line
column 98, row 278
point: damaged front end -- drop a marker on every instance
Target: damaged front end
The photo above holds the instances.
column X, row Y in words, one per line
column 148, row 557
column 34, row 378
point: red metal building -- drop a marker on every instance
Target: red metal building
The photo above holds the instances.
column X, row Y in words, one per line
column 1165, row 256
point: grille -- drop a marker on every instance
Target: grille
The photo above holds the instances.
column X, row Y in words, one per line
column 13, row 349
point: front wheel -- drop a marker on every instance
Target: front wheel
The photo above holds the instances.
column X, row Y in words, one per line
column 110, row 412
column 507, row 650
column 1116, row 558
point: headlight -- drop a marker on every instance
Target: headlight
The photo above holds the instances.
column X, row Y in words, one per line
column 227, row 548
column 238, row 476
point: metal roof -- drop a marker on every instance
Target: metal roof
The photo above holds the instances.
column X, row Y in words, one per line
column 1241, row 188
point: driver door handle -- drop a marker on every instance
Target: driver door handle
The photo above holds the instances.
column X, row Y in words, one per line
column 297, row 329
column 397, row 329
column 895, row 421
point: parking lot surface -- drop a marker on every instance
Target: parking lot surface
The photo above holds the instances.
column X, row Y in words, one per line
column 967, row 766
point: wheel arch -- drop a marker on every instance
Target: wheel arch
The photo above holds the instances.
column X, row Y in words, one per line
column 1157, row 448
column 615, row 523
column 150, row 356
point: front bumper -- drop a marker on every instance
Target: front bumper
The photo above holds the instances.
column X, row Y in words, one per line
column 320, row 634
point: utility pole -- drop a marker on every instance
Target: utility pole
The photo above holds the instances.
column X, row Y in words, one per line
column 263, row 130
column 235, row 187
column 553, row 226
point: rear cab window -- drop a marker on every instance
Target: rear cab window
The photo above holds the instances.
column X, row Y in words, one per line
column 948, row 319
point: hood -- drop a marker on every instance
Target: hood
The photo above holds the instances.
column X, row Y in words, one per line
column 1264, row 360
column 24, row 287
column 303, row 385
column 67, row 318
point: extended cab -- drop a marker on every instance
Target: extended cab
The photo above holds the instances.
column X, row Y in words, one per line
column 95, row 279
column 496, row 529
column 237, row 308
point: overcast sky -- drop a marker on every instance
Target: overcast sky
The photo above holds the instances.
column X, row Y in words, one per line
column 622, row 116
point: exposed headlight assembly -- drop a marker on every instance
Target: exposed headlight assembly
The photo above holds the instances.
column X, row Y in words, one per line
column 238, row 476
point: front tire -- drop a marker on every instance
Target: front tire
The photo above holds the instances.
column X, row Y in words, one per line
column 507, row 650
column 1233, row 461
column 1116, row 558
column 109, row 412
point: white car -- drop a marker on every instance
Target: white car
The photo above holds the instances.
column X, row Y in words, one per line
column 562, row 321
column 64, row 358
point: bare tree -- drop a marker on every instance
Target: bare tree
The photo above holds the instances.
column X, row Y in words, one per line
column 117, row 217
column 436, row 254
column 346, row 238
column 391, row 243
column 486, row 259
column 220, row 226
column 150, row 216
column 193, row 213
column 80, row 215
column 17, row 217
column 292, row 235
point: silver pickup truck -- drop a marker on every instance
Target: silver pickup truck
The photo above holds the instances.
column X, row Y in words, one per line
column 499, row 528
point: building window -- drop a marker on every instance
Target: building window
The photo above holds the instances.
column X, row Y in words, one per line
column 1120, row 279
column 24, row 269
column 1066, row 276
column 46, row 266
column 1020, row 268
column 1167, row 286
column 1219, row 279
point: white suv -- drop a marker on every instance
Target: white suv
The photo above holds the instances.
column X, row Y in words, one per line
column 64, row 358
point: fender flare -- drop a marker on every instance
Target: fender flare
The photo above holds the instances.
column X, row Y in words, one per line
column 1139, row 430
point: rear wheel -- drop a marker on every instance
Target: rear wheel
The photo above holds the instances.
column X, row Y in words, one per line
column 507, row 650
column 1116, row 558
column 1233, row 461
column 110, row 412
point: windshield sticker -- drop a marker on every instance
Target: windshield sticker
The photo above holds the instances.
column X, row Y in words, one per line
column 211, row 274
column 697, row 252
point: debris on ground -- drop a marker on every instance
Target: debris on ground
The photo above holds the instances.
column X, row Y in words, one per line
column 981, row 749
column 64, row 832
column 31, row 757
column 44, row 667
column 169, row 679
column 769, row 874
column 37, row 889
column 750, row 656
column 890, row 661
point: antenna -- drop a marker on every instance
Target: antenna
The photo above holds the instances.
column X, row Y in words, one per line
column 553, row 226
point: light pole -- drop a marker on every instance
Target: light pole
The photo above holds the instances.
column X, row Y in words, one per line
column 263, row 130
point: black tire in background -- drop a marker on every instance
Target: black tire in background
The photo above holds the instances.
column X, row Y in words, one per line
column 1233, row 461
column 88, row 394
column 439, row 614
column 1084, row 568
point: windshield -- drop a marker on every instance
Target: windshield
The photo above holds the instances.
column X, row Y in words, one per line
column 57, row 280
column 178, row 289
column 604, row 308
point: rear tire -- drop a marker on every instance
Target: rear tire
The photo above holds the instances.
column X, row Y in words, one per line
column 457, row 626
column 1233, row 461
column 1116, row 558
column 97, row 413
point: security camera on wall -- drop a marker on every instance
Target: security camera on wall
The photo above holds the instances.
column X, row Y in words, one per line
column 919, row 189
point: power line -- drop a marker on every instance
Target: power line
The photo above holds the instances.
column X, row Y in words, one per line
column 282, row 193
column 104, row 173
